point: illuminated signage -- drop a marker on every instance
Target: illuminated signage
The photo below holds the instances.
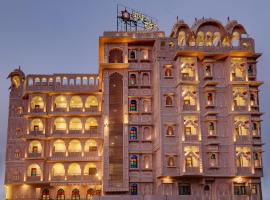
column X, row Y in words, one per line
column 131, row 20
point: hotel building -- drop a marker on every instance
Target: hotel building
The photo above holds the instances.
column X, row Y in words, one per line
column 166, row 116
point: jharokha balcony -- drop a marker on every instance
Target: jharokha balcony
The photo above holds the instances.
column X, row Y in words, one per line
column 188, row 107
column 192, row 171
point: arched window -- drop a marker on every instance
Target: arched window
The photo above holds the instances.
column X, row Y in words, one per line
column 44, row 81
column 60, row 194
column 90, row 193
column 132, row 79
column 85, row 81
column 170, row 131
column 71, row 82
column 213, row 160
column 134, row 189
column 133, row 105
column 211, row 128
column 242, row 160
column 147, row 133
column 74, row 169
column 78, row 81
column 75, row 195
column 257, row 159
column 45, row 194
column 145, row 79
column 208, row 71
column 30, row 81
column 91, row 102
column 91, row 81
column 181, row 38
column 209, row 99
column 34, row 170
column 74, row 146
column 208, row 39
column 37, row 81
column 171, row 161
column 90, row 169
column 58, row 80
column 65, row 81
column 60, row 102
column 90, row 146
column 58, row 169
column 36, row 125
column 133, row 133
column 50, row 81
column 146, row 105
column 235, row 39
column 131, row 54
column 200, row 38
column 76, row 102
column 35, row 147
column 168, row 72
column 169, row 101
column 189, row 161
column 133, row 162
column 116, row 56
column 146, row 162
column 60, row 124
column 216, row 40
column 75, row 124
column 59, row 146
column 145, row 54
column 37, row 102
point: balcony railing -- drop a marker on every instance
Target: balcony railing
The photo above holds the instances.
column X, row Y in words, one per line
column 193, row 137
column 58, row 178
column 33, row 178
column 74, row 177
column 37, row 110
column 187, row 78
column 34, row 155
column 243, row 139
column 192, row 170
column 58, row 154
column 189, row 107
column 240, row 108
column 243, row 170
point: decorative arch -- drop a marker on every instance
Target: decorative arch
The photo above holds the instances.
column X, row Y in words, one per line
column 90, row 145
column 91, row 101
column 60, row 194
column 90, row 123
column 59, row 146
column 34, row 170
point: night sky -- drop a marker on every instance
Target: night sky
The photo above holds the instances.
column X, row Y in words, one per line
column 61, row 36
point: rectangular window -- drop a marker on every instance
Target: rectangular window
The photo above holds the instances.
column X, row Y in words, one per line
column 34, row 149
column 92, row 171
column 240, row 189
column 34, row 172
column 36, row 128
column 254, row 189
column 188, row 130
column 184, row 189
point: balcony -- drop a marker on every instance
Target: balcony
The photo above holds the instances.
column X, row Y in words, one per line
column 35, row 134
column 91, row 179
column 58, row 154
column 59, row 133
column 74, row 154
column 91, row 154
column 37, row 110
column 92, row 109
column 34, row 155
column 234, row 78
column 33, row 178
column 243, row 139
column 189, row 107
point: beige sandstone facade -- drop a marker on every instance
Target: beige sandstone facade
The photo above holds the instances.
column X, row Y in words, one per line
column 172, row 118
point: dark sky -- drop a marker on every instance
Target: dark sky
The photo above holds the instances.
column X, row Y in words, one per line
column 55, row 36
